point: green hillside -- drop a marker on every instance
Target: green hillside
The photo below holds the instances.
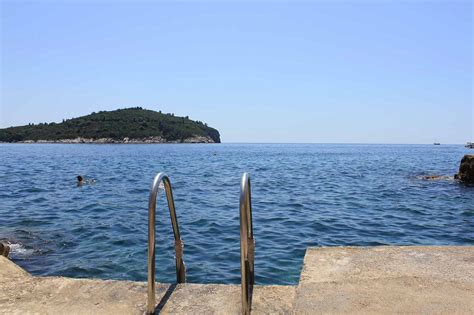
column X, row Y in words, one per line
column 134, row 123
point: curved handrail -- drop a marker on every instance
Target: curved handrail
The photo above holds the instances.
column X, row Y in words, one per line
column 247, row 244
column 178, row 244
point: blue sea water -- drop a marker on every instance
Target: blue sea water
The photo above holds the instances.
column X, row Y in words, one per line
column 303, row 195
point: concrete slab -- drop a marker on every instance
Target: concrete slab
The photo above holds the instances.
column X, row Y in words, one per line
column 387, row 279
column 333, row 280
column 21, row 293
column 225, row 299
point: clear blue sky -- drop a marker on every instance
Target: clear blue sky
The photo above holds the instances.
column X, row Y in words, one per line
column 286, row 71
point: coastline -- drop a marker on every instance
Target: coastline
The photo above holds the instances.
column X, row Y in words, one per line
column 126, row 140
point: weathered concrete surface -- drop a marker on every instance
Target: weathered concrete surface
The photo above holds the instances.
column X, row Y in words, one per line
column 21, row 293
column 388, row 279
column 225, row 299
column 334, row 280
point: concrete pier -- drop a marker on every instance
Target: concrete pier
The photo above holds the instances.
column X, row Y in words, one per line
column 385, row 279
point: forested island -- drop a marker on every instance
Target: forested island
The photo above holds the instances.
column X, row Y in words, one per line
column 129, row 125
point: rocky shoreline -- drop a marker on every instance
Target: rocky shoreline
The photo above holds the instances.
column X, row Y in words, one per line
column 466, row 169
column 126, row 140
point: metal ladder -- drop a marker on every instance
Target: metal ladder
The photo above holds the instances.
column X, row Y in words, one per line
column 247, row 243
column 178, row 244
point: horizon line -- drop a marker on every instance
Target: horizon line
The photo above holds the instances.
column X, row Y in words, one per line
column 375, row 143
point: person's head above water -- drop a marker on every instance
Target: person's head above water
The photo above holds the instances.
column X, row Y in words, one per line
column 80, row 179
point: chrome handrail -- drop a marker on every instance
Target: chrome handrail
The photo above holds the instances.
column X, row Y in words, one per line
column 178, row 244
column 247, row 244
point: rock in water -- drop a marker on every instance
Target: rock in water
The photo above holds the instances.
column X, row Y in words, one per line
column 466, row 169
column 4, row 249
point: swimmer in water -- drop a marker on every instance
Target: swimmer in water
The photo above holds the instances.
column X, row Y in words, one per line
column 80, row 180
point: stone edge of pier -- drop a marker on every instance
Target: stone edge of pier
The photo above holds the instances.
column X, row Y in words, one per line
column 382, row 279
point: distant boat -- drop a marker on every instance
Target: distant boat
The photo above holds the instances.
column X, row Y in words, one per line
column 437, row 143
column 470, row 145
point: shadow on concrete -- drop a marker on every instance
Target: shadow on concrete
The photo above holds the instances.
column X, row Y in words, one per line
column 165, row 298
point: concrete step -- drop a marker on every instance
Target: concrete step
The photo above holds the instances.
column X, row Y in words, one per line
column 21, row 293
column 225, row 299
column 387, row 279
